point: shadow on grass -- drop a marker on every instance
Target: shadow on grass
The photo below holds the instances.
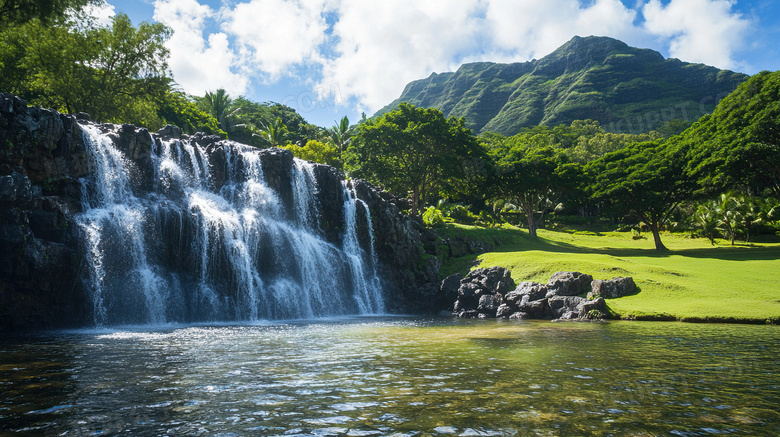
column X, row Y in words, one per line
column 517, row 240
column 740, row 252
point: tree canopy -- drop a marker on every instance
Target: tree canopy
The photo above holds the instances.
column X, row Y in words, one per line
column 646, row 179
column 535, row 178
column 116, row 74
column 415, row 151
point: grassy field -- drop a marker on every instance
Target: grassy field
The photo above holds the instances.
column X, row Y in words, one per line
column 693, row 281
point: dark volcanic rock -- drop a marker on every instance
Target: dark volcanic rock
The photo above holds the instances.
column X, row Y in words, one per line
column 482, row 293
column 612, row 288
column 568, row 284
column 483, row 290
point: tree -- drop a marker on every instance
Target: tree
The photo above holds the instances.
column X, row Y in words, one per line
column 178, row 109
column 116, row 73
column 274, row 133
column 220, row 105
column 738, row 145
column 414, row 151
column 535, row 179
column 646, row 179
column 340, row 135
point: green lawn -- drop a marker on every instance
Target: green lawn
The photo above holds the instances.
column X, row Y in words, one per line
column 692, row 281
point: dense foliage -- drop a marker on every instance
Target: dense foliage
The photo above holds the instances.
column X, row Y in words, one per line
column 738, row 145
column 415, row 151
column 642, row 181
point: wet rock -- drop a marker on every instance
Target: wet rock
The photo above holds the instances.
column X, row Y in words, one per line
column 533, row 290
column 504, row 311
column 448, row 291
column 483, row 290
column 170, row 131
column 489, row 304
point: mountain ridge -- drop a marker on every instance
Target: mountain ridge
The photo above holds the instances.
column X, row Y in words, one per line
column 626, row 89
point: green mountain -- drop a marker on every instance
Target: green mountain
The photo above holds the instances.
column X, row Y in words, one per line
column 625, row 88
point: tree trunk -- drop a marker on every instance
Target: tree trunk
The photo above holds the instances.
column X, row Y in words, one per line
column 656, row 236
column 532, row 225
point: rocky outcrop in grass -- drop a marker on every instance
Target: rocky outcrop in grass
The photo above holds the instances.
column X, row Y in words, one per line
column 490, row 293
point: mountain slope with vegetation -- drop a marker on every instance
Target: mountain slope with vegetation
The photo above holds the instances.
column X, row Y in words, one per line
column 626, row 89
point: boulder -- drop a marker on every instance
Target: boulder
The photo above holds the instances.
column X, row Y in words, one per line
column 593, row 309
column 504, row 311
column 533, row 290
column 489, row 304
column 612, row 288
column 560, row 305
column 537, row 309
column 448, row 291
column 483, row 290
column 568, row 284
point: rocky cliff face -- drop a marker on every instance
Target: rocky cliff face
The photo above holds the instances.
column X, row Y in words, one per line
column 42, row 267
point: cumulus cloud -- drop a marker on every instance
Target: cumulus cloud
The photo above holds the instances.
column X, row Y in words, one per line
column 275, row 35
column 102, row 13
column 705, row 31
column 198, row 64
column 526, row 30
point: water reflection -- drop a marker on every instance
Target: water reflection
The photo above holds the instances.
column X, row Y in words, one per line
column 395, row 376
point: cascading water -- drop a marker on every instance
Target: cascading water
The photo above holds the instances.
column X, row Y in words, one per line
column 187, row 250
column 366, row 281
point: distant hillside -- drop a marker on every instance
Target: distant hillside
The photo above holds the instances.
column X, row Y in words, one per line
column 625, row 88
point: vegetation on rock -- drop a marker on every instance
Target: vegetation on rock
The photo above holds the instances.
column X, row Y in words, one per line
column 628, row 90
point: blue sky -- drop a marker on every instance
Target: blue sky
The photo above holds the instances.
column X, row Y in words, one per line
column 330, row 58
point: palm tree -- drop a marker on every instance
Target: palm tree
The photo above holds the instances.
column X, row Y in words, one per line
column 274, row 133
column 707, row 220
column 220, row 105
column 340, row 134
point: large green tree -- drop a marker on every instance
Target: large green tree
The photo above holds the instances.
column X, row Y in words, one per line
column 116, row 74
column 646, row 179
column 535, row 178
column 415, row 152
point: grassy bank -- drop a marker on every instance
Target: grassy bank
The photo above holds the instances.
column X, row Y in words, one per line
column 693, row 281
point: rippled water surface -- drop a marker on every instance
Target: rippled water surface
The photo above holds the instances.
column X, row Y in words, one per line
column 381, row 376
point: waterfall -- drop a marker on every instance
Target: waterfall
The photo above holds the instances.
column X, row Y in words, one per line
column 192, row 246
column 366, row 281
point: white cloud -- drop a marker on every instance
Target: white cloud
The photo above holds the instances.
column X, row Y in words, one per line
column 101, row 13
column 198, row 64
column 384, row 46
column 526, row 30
column 275, row 35
column 705, row 31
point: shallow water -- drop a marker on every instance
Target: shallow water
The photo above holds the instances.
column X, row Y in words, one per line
column 383, row 376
